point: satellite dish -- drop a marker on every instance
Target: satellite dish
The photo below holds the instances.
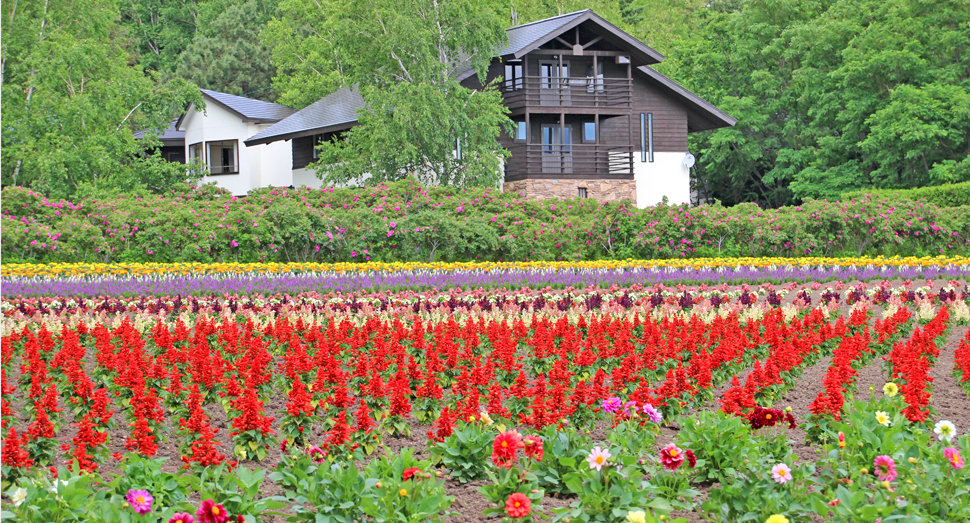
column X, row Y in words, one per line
column 689, row 160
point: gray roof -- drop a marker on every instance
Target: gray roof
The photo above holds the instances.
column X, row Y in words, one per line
column 332, row 112
column 521, row 36
column 170, row 134
column 526, row 37
column 250, row 110
column 702, row 115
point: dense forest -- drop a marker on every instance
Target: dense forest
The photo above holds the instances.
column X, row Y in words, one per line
column 830, row 95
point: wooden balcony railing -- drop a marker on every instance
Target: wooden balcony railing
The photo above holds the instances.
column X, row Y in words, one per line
column 580, row 159
column 573, row 92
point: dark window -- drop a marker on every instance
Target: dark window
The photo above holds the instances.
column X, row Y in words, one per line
column 589, row 132
column 223, row 157
column 513, row 76
column 582, row 192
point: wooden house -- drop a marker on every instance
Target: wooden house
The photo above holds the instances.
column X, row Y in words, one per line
column 592, row 118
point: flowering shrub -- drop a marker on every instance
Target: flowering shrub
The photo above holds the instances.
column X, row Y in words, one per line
column 403, row 222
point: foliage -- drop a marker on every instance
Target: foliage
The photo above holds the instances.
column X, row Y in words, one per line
column 830, row 96
column 608, row 493
column 226, row 54
column 947, row 195
column 750, row 494
column 322, row 492
column 705, row 434
column 403, row 59
column 465, row 453
column 563, row 449
column 71, row 102
column 400, row 500
column 405, row 222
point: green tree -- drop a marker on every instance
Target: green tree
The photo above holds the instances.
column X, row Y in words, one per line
column 159, row 30
column 830, row 96
column 71, row 100
column 226, row 53
column 403, row 58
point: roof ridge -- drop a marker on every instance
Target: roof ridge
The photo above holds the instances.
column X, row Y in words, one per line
column 547, row 19
column 207, row 91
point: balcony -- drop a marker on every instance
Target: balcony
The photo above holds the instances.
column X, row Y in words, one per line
column 581, row 92
column 592, row 160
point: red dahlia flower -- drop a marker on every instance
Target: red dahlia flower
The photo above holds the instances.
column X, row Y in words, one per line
column 210, row 512
column 671, row 456
column 518, row 505
column 504, row 449
column 691, row 458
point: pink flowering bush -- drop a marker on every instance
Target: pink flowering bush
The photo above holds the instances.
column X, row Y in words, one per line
column 402, row 221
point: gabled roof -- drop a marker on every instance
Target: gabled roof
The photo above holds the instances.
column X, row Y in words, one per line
column 338, row 110
column 527, row 37
column 170, row 134
column 247, row 109
column 702, row 115
column 332, row 112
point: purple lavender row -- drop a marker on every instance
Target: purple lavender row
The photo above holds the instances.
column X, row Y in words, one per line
column 421, row 280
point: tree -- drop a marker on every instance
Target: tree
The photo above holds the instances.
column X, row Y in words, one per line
column 71, row 100
column 403, row 57
column 830, row 96
column 160, row 30
column 226, row 53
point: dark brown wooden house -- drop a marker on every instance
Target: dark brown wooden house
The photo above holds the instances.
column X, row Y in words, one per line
column 593, row 119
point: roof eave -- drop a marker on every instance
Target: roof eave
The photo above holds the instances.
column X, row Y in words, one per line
column 706, row 109
column 645, row 53
column 300, row 134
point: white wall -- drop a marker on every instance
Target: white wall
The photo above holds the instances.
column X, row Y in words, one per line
column 259, row 166
column 665, row 176
column 306, row 177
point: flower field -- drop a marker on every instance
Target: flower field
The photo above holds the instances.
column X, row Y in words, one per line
column 752, row 390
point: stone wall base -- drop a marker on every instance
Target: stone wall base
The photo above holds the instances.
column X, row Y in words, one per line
column 600, row 190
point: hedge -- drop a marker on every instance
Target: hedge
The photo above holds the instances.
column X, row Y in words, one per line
column 405, row 222
column 949, row 195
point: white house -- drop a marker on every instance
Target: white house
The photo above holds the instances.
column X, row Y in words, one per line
column 216, row 136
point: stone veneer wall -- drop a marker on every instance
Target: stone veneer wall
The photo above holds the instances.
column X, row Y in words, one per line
column 601, row 190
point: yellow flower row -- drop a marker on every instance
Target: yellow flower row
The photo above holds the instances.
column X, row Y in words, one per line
column 67, row 270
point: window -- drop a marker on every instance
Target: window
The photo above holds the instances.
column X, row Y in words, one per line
column 622, row 59
column 513, row 75
column 582, row 192
column 646, row 137
column 223, row 157
column 195, row 155
column 553, row 76
column 589, row 132
column 520, row 131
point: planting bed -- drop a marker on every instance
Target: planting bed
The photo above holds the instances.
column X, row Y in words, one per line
column 706, row 401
